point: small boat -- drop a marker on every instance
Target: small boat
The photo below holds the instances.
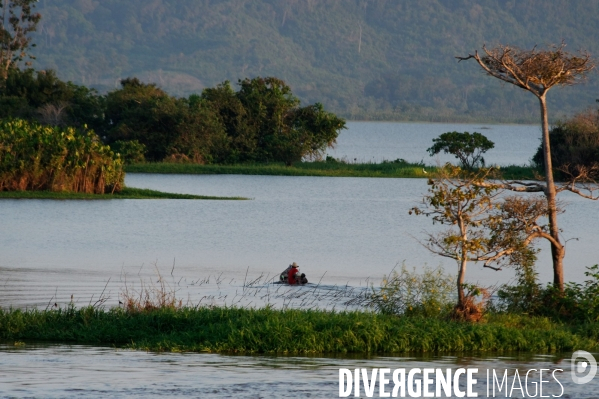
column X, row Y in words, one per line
column 284, row 278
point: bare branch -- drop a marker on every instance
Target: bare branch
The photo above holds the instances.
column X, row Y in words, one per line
column 572, row 188
column 533, row 70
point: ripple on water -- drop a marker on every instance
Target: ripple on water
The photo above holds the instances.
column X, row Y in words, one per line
column 93, row 372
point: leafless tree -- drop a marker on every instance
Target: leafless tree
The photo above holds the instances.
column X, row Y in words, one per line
column 537, row 71
column 53, row 114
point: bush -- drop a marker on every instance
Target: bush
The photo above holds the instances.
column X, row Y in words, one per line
column 407, row 293
column 579, row 302
column 130, row 151
column 574, row 145
column 36, row 157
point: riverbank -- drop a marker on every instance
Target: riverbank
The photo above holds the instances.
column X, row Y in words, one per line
column 125, row 193
column 266, row 330
column 391, row 169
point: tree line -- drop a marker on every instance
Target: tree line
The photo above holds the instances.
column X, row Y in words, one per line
column 361, row 59
column 261, row 122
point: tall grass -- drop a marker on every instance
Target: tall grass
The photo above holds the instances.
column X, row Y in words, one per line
column 406, row 292
column 268, row 330
column 410, row 314
column 36, row 157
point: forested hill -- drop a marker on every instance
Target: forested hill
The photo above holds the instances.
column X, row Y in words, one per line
column 364, row 59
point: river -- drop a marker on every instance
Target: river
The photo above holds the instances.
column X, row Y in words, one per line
column 346, row 233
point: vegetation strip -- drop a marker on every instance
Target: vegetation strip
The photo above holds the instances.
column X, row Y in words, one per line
column 291, row 331
column 331, row 169
column 125, row 193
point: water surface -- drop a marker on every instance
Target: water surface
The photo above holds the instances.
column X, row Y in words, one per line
column 377, row 141
column 67, row 371
column 346, row 233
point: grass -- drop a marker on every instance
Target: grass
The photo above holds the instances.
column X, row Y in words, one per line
column 125, row 193
column 334, row 169
column 395, row 169
column 266, row 330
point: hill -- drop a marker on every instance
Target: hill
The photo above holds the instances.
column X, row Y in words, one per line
column 363, row 59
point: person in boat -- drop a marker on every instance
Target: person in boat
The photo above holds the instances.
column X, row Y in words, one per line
column 292, row 276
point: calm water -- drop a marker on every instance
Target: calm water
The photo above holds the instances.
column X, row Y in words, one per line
column 342, row 231
column 81, row 371
column 368, row 141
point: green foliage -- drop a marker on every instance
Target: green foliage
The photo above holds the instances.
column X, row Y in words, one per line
column 578, row 302
column 311, row 131
column 483, row 226
column 42, row 97
column 466, row 147
column 163, row 124
column 262, row 122
column 574, row 146
column 130, row 151
column 333, row 168
column 238, row 330
column 35, row 157
column 405, row 68
column 408, row 293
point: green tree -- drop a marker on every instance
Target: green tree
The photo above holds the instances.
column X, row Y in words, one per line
column 239, row 143
column 41, row 96
column 171, row 129
column 537, row 71
column 311, row 131
column 483, row 225
column 264, row 122
column 18, row 21
column 468, row 148
column 268, row 103
column 574, row 147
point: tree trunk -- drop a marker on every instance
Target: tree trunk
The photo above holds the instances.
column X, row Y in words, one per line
column 461, row 278
column 557, row 250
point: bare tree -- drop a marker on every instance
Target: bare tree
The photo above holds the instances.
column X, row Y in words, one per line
column 18, row 20
column 537, row 71
column 484, row 226
column 53, row 114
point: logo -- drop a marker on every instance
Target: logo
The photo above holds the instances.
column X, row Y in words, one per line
column 579, row 368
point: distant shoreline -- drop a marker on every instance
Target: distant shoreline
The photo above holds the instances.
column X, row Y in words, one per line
column 125, row 193
column 387, row 169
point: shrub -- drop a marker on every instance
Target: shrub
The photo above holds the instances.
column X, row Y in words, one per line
column 130, row 151
column 36, row 157
column 579, row 302
column 406, row 292
column 574, row 145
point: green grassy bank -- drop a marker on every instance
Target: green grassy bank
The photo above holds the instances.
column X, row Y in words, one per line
column 125, row 193
column 332, row 169
column 267, row 330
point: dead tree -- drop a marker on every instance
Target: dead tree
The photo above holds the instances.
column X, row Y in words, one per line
column 537, row 71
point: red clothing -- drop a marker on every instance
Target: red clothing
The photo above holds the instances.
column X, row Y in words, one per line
column 291, row 276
